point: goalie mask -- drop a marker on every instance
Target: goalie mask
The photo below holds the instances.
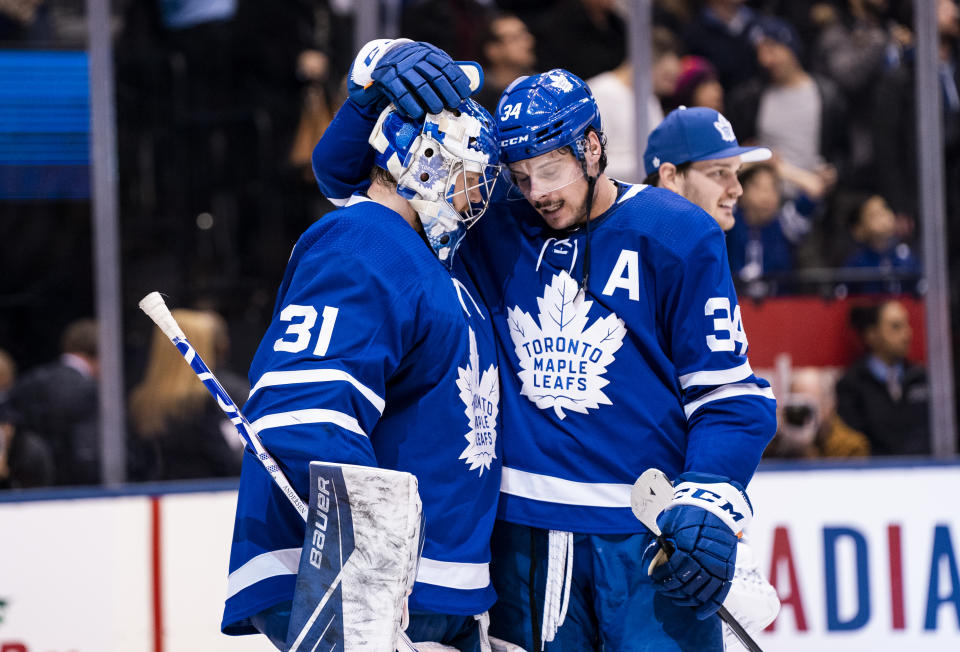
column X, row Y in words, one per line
column 445, row 165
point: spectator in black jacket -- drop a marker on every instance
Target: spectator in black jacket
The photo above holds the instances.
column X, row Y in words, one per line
column 506, row 49
column 721, row 33
column 58, row 401
column 894, row 128
column 586, row 37
column 884, row 395
column 853, row 48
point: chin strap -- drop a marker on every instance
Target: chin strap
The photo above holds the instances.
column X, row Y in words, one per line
column 584, row 283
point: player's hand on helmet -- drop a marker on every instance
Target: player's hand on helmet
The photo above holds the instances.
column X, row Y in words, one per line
column 360, row 82
column 416, row 77
column 701, row 525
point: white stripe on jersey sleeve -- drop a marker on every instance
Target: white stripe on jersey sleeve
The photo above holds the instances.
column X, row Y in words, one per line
column 454, row 575
column 728, row 391
column 717, row 377
column 568, row 492
column 262, row 567
column 299, row 417
column 275, row 378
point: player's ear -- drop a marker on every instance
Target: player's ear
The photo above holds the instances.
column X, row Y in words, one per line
column 593, row 151
column 594, row 146
column 669, row 178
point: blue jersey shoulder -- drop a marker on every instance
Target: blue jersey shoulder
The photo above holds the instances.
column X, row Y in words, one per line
column 677, row 224
column 370, row 234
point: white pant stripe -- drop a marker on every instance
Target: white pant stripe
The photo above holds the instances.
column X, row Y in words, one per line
column 454, row 575
column 262, row 567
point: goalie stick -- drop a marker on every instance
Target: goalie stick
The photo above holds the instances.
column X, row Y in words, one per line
column 651, row 493
column 155, row 308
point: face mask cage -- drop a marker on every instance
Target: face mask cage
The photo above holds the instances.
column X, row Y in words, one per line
column 448, row 191
column 470, row 187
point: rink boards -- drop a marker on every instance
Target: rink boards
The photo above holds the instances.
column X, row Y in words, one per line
column 864, row 557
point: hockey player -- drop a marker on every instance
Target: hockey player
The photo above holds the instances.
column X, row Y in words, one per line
column 618, row 325
column 695, row 153
column 381, row 354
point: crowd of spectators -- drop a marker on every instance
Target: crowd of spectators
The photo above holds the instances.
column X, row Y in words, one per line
column 49, row 425
column 219, row 104
column 827, row 85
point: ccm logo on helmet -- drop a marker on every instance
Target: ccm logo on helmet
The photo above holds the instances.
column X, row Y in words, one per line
column 516, row 140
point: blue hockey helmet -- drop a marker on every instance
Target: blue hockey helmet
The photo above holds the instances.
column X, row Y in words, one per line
column 544, row 112
column 440, row 161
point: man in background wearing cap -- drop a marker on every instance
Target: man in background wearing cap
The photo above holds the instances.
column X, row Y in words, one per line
column 695, row 154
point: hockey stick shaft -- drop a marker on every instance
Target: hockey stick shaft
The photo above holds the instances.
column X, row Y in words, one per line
column 155, row 308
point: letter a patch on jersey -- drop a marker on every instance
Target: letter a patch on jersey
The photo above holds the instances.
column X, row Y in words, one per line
column 481, row 396
column 562, row 361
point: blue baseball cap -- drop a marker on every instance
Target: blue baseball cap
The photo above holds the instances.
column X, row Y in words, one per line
column 697, row 134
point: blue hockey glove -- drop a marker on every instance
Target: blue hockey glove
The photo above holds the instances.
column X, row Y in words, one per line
column 700, row 528
column 415, row 76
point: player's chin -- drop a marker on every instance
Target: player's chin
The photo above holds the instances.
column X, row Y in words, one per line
column 557, row 217
column 724, row 217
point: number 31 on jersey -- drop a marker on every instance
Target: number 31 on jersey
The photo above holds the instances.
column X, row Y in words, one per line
column 302, row 320
column 731, row 326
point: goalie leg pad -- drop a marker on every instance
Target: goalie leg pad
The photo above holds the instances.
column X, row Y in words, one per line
column 498, row 645
column 363, row 540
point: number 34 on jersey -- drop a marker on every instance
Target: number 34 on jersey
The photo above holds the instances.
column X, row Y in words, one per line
column 728, row 334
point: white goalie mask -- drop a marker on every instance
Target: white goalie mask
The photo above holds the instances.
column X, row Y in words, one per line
column 446, row 166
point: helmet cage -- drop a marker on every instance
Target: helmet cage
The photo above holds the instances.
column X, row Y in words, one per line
column 452, row 159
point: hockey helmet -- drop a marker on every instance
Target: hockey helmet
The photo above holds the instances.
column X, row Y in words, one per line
column 544, row 112
column 436, row 159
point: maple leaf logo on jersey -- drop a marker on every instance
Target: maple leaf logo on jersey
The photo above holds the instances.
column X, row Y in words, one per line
column 481, row 396
column 562, row 361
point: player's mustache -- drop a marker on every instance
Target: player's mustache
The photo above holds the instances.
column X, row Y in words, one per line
column 541, row 204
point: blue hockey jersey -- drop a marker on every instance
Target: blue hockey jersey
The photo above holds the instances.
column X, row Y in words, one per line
column 647, row 369
column 376, row 355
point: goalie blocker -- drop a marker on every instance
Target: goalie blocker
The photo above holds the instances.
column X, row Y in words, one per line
column 359, row 559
